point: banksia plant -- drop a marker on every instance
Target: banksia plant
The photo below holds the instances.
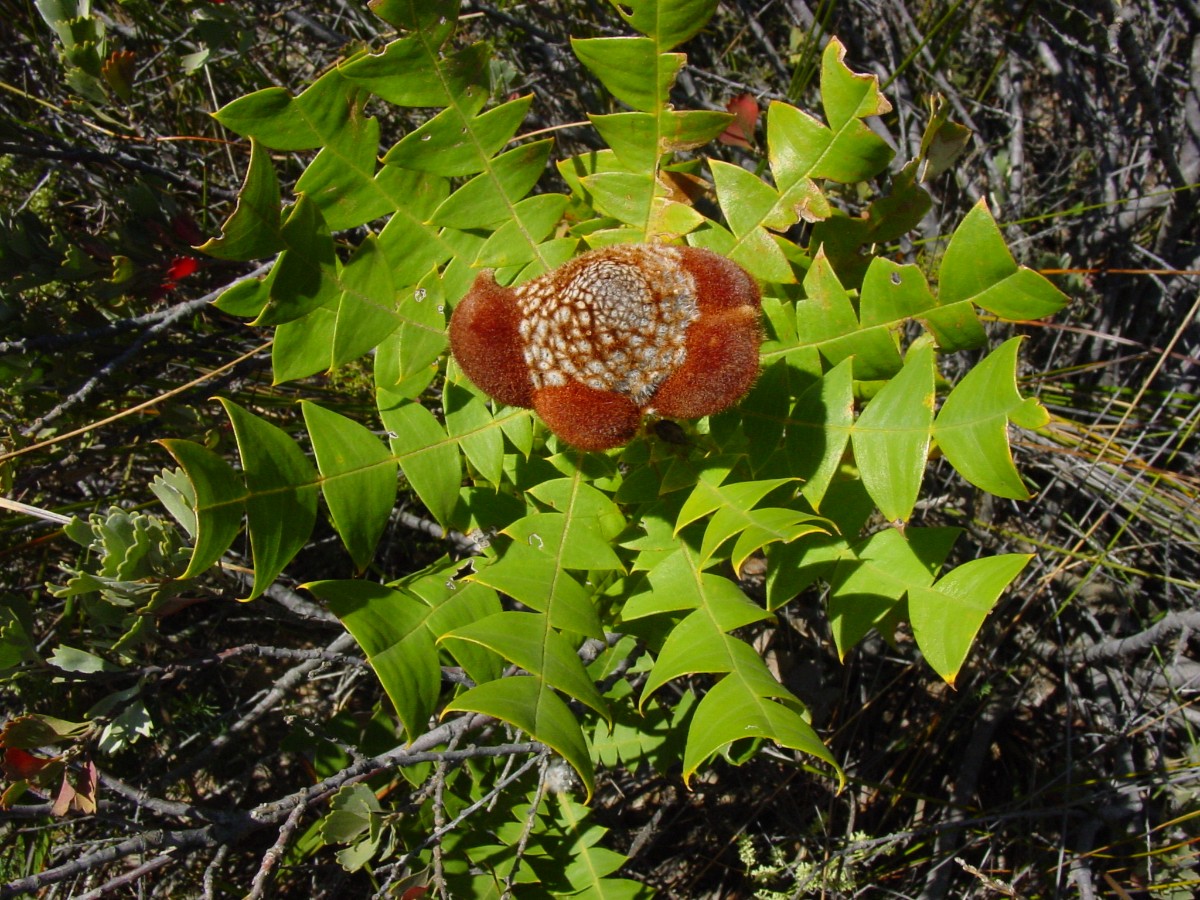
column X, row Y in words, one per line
column 612, row 335
column 663, row 283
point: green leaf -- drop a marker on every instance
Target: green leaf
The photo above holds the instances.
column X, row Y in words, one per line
column 826, row 320
column 352, row 810
column 529, row 704
column 411, row 72
column 366, row 307
column 751, row 206
column 632, row 69
column 342, row 180
column 360, row 317
column 891, row 437
column 28, row 732
column 669, row 22
column 274, row 118
column 972, row 427
column 947, row 616
column 579, row 534
column 872, row 579
column 527, row 640
column 414, row 247
column 625, row 196
column 252, row 230
column 533, row 577
column 892, row 293
column 943, row 141
column 305, row 275
column 676, row 582
column 733, row 513
column 281, row 504
column 745, row 704
column 699, row 644
column 799, row 146
column 978, row 267
column 457, row 141
column 516, row 241
column 392, row 628
column 487, row 200
column 711, row 494
column 220, row 497
column 416, row 346
column 847, row 95
column 358, row 479
column 818, row 430
column 428, row 456
column 70, row 659
column 469, row 421
column 414, row 15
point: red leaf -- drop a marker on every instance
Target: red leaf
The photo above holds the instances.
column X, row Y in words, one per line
column 20, row 764
column 740, row 132
column 182, row 268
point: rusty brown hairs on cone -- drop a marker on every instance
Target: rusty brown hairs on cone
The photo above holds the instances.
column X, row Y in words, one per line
column 611, row 335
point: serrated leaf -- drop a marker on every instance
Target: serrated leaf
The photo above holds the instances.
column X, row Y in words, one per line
column 799, row 146
column 579, row 534
column 534, row 578
column 826, row 320
column 281, row 499
column 305, row 275
column 526, row 639
column 358, row 479
column 711, row 495
column 668, row 22
column 891, row 437
column 947, row 616
column 470, row 422
column 69, row 659
column 253, row 228
column 428, row 456
column 700, row 644
column 274, row 118
column 360, row 317
column 676, row 582
column 972, row 427
column 575, row 545
column 220, row 502
column 392, row 629
column 413, row 15
column 342, row 181
column 458, row 141
column 487, row 199
column 632, row 68
column 625, row 196
column 517, row 240
column 411, row 72
column 28, row 732
column 871, row 579
column 352, row 810
column 818, row 430
column 848, row 95
column 977, row 266
column 749, row 703
column 892, row 293
column 529, row 704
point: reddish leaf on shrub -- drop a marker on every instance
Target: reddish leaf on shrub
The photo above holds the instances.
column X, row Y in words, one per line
column 740, row 132
column 20, row 764
column 182, row 267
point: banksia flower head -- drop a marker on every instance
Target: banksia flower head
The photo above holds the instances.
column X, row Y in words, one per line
column 611, row 335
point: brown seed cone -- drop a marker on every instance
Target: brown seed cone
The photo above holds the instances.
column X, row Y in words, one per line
column 614, row 333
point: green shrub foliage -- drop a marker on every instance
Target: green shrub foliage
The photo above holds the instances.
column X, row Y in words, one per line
column 639, row 551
